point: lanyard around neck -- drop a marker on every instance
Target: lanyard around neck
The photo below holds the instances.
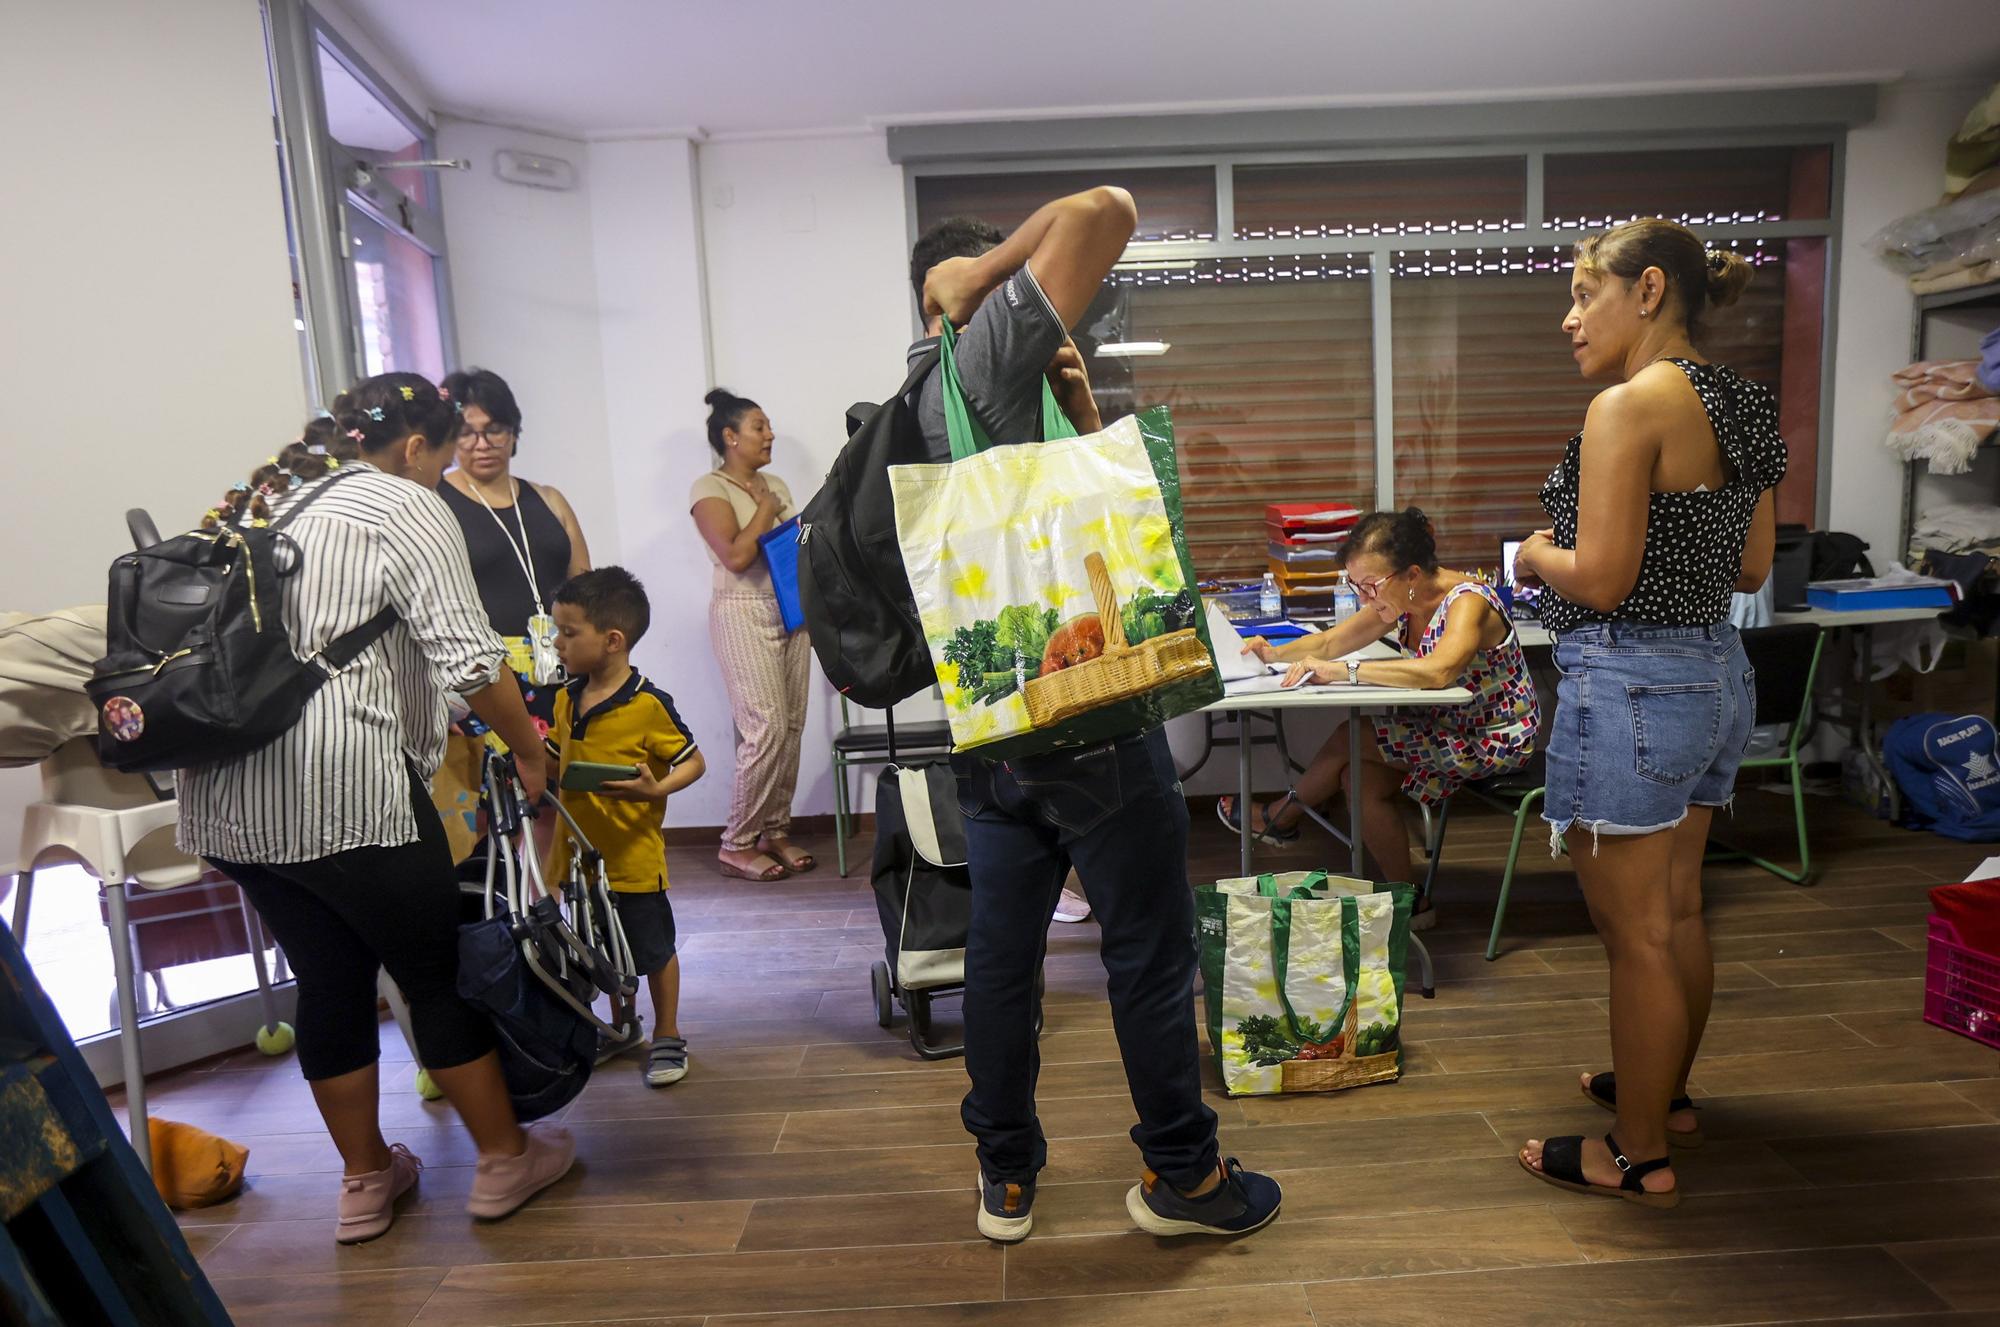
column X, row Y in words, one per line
column 519, row 550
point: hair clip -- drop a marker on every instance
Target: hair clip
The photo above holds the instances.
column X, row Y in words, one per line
column 356, row 434
column 265, row 490
column 296, row 481
column 258, row 523
column 409, row 393
column 444, row 393
column 374, row 412
column 333, row 463
column 240, row 488
column 458, row 407
column 273, row 461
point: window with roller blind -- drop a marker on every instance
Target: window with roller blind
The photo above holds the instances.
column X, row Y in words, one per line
column 1254, row 315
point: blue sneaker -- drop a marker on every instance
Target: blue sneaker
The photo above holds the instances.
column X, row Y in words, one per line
column 1243, row 1202
column 1006, row 1211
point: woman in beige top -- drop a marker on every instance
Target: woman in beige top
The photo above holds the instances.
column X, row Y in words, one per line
column 764, row 667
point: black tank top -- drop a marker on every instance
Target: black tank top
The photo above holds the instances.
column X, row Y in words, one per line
column 494, row 546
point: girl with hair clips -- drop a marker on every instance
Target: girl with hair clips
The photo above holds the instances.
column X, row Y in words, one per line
column 765, row 669
column 522, row 537
column 330, row 830
column 1662, row 508
column 1455, row 632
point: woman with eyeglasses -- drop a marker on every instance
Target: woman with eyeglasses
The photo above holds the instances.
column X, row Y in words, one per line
column 522, row 536
column 1454, row 631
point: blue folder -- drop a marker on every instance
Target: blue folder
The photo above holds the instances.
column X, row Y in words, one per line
column 781, row 555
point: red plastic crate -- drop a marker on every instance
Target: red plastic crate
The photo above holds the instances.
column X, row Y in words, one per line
column 1961, row 986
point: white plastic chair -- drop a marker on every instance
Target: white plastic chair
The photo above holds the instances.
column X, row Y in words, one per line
column 108, row 824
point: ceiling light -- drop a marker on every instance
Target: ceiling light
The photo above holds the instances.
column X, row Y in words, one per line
column 1155, row 265
column 1135, row 348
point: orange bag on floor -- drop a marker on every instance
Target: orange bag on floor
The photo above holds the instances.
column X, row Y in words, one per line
column 192, row 1167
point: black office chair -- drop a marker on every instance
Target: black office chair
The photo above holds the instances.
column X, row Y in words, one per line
column 884, row 743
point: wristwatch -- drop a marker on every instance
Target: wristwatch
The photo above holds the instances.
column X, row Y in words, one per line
column 1354, row 672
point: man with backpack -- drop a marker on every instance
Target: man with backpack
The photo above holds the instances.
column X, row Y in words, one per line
column 1115, row 812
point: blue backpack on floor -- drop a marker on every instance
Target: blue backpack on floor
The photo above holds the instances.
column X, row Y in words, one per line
column 1949, row 774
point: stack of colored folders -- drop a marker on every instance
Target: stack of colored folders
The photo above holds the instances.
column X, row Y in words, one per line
column 1307, row 542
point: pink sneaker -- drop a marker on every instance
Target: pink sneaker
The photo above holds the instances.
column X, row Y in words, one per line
column 502, row 1184
column 368, row 1202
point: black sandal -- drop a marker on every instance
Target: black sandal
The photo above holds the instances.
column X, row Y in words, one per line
column 1603, row 1090
column 1562, row 1166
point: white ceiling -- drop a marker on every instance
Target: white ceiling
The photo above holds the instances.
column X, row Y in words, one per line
column 590, row 67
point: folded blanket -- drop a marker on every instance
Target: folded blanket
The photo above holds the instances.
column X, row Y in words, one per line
column 1943, row 414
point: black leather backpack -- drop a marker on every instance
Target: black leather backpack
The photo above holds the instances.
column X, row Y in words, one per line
column 198, row 665
column 852, row 585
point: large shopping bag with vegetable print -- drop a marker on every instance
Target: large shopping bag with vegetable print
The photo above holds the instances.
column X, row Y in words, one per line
column 1303, row 980
column 1052, row 581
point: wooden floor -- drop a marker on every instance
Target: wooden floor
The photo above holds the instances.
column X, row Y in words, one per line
column 810, row 1170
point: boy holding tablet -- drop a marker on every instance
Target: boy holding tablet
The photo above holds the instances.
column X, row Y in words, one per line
column 622, row 751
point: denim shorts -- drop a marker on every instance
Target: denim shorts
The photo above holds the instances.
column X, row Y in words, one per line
column 1649, row 721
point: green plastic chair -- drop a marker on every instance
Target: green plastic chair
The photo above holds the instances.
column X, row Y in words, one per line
column 1787, row 662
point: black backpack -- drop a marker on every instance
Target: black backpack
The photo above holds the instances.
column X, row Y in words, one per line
column 856, row 595
column 198, row 665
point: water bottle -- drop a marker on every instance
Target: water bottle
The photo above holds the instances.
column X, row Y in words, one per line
column 1269, row 604
column 1346, row 603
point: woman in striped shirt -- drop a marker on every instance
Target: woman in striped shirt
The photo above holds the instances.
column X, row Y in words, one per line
column 330, row 830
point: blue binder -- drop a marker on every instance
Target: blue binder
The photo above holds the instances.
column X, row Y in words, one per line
column 781, row 554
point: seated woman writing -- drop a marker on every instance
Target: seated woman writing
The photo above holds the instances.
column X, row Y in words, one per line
column 1456, row 632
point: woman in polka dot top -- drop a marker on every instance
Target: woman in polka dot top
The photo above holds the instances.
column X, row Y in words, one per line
column 1662, row 508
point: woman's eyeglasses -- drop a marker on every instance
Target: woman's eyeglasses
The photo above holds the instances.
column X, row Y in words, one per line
column 1370, row 587
column 491, row 436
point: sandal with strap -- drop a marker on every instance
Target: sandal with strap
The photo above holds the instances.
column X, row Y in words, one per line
column 1603, row 1090
column 1562, row 1166
column 771, row 874
column 1270, row 836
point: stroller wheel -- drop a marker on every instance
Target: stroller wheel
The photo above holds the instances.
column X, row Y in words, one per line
column 885, row 1010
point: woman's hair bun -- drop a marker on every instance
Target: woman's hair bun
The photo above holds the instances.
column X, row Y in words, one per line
column 1728, row 273
column 718, row 397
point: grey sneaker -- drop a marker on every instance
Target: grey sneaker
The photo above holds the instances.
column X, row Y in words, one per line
column 666, row 1061
column 610, row 1047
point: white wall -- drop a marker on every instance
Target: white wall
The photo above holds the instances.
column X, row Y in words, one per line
column 147, row 353
column 1895, row 166
column 524, row 287
column 809, row 312
column 649, row 280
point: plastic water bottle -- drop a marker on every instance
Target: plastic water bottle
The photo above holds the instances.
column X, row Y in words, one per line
column 1346, row 603
column 1269, row 603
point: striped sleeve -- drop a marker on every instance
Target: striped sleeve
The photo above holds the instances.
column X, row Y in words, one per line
column 429, row 579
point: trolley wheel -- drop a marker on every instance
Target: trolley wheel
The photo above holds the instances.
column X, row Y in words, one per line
column 885, row 1008
column 427, row 1088
column 276, row 1039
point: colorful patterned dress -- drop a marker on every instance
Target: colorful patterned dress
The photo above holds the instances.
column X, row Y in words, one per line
column 1454, row 744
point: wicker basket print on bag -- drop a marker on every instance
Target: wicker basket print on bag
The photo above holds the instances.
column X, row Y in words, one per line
column 1122, row 671
column 1344, row 1070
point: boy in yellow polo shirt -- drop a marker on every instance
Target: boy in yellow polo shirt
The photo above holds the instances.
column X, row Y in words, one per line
column 607, row 714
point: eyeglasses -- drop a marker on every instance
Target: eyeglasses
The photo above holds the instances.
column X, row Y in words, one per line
column 492, row 436
column 1370, row 587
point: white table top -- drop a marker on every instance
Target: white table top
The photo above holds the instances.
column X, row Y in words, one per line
column 1534, row 634
column 1340, row 696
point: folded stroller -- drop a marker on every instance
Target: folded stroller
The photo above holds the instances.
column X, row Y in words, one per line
column 923, row 893
column 537, row 962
